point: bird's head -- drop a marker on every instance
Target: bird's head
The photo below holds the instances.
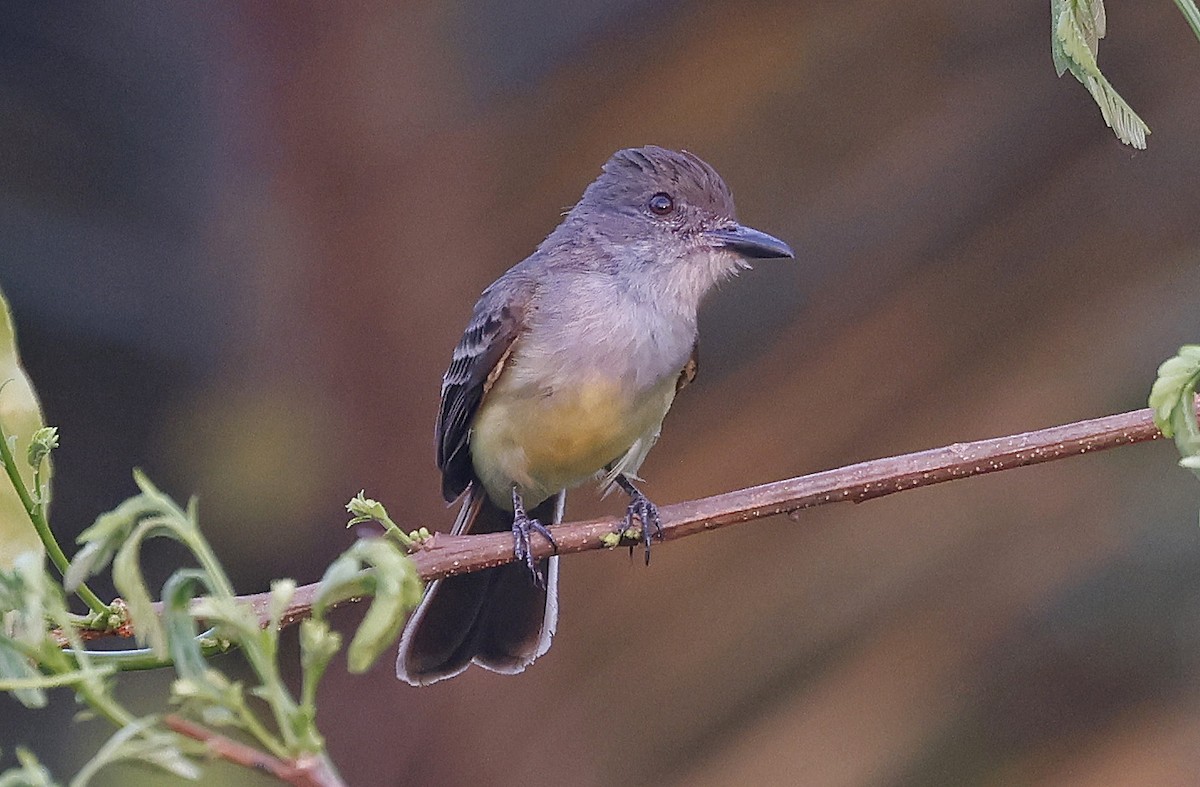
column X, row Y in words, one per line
column 666, row 214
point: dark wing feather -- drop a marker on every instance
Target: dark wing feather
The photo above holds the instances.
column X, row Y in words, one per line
column 477, row 361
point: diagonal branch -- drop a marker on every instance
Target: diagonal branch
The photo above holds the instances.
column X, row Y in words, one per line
column 446, row 555
column 307, row 771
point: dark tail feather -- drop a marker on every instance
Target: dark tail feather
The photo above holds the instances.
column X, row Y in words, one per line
column 497, row 618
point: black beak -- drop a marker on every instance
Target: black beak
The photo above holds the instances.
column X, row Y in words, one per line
column 750, row 242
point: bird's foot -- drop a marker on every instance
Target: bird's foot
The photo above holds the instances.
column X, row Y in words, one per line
column 644, row 511
column 523, row 528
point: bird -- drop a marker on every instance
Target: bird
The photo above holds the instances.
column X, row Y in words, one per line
column 565, row 372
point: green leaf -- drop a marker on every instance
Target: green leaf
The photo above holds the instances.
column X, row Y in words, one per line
column 101, row 541
column 179, row 626
column 1191, row 14
column 29, row 773
column 1173, row 399
column 150, row 514
column 282, row 591
column 28, row 597
column 131, row 584
column 22, row 418
column 1118, row 115
column 1076, row 29
column 393, row 581
column 212, row 696
column 344, row 579
column 318, row 645
column 365, row 509
column 113, row 529
column 16, row 668
column 140, row 741
column 229, row 618
column 41, row 444
column 1169, row 392
column 32, row 660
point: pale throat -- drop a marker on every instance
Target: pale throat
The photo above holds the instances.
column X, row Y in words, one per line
column 679, row 286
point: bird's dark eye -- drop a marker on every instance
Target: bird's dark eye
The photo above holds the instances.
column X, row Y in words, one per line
column 661, row 204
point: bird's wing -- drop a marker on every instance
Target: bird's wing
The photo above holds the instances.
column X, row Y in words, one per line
column 478, row 359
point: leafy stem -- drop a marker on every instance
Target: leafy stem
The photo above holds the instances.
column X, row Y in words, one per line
column 36, row 508
column 1191, row 14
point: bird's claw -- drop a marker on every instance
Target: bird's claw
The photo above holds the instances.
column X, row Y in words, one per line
column 646, row 513
column 522, row 528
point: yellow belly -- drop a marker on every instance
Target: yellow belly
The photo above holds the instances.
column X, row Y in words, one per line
column 546, row 442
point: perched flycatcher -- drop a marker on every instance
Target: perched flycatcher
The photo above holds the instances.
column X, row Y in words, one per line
column 568, row 367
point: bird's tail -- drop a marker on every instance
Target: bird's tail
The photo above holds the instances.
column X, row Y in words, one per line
column 497, row 618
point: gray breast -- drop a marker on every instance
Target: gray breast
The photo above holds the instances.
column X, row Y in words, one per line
column 589, row 325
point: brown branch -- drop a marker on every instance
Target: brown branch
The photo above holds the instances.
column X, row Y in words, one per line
column 446, row 555
column 306, row 771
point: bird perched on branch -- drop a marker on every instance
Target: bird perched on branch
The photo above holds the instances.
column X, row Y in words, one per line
column 565, row 373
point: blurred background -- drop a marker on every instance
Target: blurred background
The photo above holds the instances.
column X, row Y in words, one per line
column 241, row 239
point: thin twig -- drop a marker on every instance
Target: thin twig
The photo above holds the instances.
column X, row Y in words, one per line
column 307, row 771
column 446, row 555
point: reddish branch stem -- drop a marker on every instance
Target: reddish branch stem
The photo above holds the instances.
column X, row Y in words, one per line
column 309, row 771
column 446, row 555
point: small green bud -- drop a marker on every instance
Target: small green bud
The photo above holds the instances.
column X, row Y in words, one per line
column 419, row 536
column 44, row 441
column 365, row 509
column 281, row 595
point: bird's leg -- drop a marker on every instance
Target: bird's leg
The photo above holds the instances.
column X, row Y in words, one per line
column 522, row 527
column 643, row 510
